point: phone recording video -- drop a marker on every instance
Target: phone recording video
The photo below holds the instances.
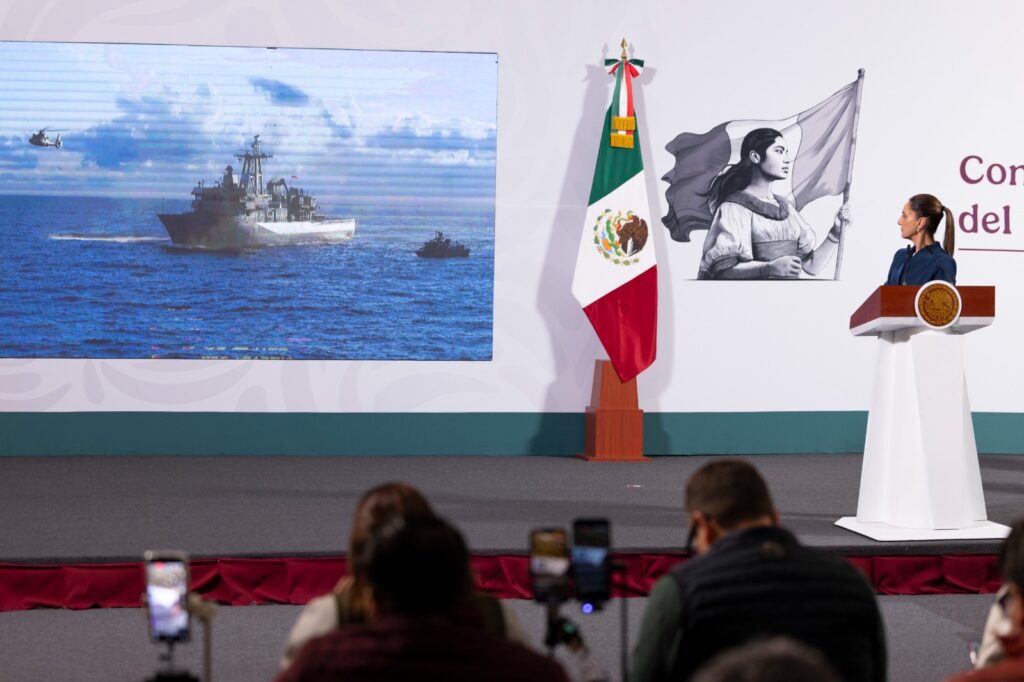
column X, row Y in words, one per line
column 549, row 565
column 167, row 585
column 591, row 560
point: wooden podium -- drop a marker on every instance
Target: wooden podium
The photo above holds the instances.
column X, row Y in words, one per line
column 920, row 478
column 614, row 422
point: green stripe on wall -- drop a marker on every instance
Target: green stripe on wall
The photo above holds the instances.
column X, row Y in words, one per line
column 512, row 433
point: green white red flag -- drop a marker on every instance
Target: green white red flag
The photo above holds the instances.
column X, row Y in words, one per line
column 616, row 277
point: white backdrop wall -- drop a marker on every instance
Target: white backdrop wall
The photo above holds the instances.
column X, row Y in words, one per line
column 943, row 82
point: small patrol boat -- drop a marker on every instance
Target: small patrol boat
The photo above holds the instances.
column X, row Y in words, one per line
column 442, row 247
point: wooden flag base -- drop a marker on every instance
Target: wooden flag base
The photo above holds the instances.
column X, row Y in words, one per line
column 614, row 423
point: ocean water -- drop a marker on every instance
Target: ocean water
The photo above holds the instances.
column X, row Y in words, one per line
column 90, row 277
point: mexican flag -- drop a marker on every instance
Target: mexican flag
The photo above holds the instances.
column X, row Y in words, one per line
column 616, row 278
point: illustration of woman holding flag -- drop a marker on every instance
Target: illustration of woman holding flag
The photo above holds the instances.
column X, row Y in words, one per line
column 754, row 233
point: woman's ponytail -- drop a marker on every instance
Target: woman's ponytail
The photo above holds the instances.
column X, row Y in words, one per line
column 949, row 237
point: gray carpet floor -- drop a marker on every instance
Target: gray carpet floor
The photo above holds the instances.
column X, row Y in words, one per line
column 927, row 637
column 114, row 508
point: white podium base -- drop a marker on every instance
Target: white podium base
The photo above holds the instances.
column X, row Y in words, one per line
column 920, row 467
column 982, row 530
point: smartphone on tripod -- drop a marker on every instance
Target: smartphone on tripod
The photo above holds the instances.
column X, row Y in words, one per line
column 592, row 560
column 549, row 565
column 167, row 587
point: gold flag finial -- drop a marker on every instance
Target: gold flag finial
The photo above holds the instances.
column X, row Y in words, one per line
column 624, row 44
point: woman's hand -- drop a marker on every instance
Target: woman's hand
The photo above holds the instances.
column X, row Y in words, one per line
column 840, row 223
column 784, row 267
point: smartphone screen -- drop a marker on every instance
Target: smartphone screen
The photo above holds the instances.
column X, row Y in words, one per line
column 549, row 565
column 166, row 597
column 591, row 559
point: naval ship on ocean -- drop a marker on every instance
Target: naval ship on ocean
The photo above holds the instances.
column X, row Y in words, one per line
column 235, row 214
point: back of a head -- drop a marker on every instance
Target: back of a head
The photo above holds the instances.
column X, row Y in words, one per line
column 729, row 491
column 1011, row 556
column 379, row 505
column 778, row 659
column 417, row 567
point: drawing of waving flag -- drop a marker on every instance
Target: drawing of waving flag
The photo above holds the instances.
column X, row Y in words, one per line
column 823, row 139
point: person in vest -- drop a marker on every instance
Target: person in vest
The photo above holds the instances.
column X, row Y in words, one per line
column 752, row 578
column 422, row 621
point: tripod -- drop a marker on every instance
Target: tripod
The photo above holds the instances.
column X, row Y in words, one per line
column 204, row 611
column 168, row 672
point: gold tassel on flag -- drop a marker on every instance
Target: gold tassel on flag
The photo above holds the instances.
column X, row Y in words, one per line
column 621, row 141
column 623, row 123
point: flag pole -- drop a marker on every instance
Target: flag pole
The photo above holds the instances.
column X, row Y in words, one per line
column 849, row 173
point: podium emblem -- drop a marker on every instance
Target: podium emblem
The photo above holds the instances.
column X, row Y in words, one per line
column 938, row 304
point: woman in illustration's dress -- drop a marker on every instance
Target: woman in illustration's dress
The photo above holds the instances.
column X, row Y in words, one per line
column 756, row 234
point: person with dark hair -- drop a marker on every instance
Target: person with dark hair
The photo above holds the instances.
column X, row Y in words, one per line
column 756, row 234
column 777, row 659
column 924, row 260
column 348, row 602
column 423, row 624
column 1008, row 665
column 752, row 578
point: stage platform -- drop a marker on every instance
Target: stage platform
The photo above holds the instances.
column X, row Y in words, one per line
column 281, row 523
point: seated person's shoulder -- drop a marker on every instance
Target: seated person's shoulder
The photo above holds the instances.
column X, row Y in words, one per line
column 318, row 617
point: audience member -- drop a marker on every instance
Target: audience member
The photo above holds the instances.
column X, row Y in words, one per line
column 1010, row 667
column 752, row 578
column 422, row 621
column 777, row 659
column 347, row 603
column 997, row 626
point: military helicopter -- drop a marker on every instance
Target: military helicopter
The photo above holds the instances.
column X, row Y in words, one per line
column 40, row 139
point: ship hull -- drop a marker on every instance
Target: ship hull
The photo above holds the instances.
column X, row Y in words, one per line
column 204, row 231
column 455, row 254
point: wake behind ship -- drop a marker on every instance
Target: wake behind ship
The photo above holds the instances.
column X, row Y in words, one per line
column 235, row 214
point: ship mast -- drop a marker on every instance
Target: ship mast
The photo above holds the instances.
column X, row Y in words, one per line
column 252, row 166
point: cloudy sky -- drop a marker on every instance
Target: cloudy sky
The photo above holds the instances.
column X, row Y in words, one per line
column 151, row 120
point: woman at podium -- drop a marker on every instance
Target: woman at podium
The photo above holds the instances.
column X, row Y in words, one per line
column 924, row 260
